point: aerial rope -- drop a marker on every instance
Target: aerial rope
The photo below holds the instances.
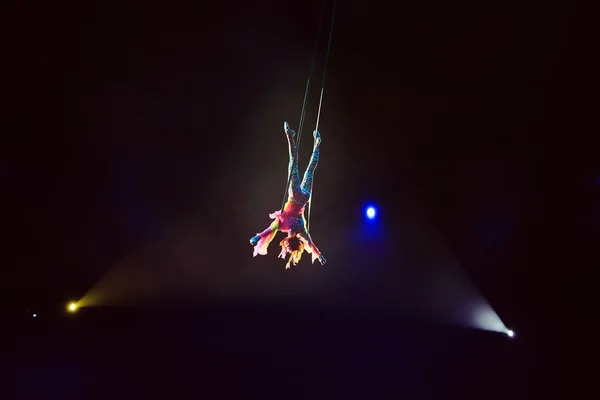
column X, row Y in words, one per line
column 290, row 217
column 321, row 103
column 303, row 113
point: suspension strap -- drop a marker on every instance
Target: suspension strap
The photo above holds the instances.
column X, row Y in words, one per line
column 320, row 104
column 303, row 113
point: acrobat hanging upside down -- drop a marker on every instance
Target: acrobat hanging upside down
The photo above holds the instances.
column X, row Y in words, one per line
column 291, row 219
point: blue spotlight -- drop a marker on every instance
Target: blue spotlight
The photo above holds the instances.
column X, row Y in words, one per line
column 371, row 212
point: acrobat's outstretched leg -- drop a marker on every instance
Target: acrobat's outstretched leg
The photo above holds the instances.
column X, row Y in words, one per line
column 307, row 181
column 293, row 173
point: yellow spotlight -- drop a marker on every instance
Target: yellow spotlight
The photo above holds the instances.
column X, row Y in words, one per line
column 72, row 307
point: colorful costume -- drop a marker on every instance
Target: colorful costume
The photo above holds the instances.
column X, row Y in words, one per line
column 291, row 219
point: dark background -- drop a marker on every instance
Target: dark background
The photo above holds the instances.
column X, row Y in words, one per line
column 134, row 124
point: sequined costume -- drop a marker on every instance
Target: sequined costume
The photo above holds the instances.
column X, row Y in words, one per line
column 291, row 220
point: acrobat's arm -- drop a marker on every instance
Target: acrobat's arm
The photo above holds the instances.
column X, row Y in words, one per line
column 261, row 240
column 312, row 248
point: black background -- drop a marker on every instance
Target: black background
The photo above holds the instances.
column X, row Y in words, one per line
column 123, row 119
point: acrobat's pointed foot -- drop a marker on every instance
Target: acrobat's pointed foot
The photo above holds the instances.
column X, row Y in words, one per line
column 317, row 136
column 322, row 260
column 288, row 131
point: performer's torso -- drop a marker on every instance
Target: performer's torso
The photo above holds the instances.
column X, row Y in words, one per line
column 292, row 218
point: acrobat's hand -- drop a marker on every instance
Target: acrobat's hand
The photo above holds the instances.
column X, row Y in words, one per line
column 288, row 131
column 254, row 240
column 322, row 259
column 317, row 136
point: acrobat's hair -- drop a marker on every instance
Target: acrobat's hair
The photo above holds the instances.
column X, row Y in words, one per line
column 295, row 255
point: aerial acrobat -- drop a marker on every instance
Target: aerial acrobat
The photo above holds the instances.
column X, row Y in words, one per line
column 291, row 219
